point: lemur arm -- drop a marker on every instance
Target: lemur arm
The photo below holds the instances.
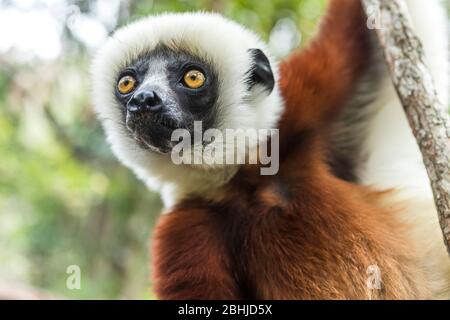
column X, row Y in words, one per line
column 189, row 260
column 316, row 80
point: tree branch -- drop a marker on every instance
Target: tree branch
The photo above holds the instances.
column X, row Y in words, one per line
column 412, row 80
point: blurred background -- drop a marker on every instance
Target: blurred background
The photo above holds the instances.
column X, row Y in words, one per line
column 64, row 199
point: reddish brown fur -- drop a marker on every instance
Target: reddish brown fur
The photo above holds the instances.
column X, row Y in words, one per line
column 316, row 81
column 302, row 234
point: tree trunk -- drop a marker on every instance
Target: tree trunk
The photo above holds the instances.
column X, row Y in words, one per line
column 412, row 80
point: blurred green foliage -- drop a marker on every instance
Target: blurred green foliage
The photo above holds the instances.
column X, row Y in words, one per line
column 259, row 16
column 64, row 199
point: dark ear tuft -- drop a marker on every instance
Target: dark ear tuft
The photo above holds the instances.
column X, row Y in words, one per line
column 261, row 72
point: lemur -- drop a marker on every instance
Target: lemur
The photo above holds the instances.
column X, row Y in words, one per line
column 351, row 194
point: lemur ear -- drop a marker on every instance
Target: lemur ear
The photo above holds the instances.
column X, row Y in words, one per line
column 261, row 72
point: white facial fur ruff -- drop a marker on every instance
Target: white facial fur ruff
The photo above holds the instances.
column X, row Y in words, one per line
column 221, row 42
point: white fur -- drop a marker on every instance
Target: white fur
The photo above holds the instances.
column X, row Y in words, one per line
column 222, row 42
column 393, row 157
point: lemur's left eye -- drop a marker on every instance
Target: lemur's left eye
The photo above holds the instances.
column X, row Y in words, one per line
column 194, row 79
column 126, row 84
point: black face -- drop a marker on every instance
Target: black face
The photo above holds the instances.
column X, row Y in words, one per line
column 166, row 90
column 163, row 91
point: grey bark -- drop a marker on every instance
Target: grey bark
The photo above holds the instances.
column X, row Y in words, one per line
column 427, row 117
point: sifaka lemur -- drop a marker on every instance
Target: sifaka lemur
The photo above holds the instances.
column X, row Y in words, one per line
column 351, row 195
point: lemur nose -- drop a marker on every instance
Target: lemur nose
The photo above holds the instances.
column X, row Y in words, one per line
column 145, row 101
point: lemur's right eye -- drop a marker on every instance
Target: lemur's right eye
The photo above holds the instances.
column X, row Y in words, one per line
column 126, row 84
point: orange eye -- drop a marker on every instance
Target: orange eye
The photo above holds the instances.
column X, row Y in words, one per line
column 126, row 84
column 194, row 79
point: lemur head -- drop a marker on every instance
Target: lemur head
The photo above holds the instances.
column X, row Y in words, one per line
column 165, row 72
